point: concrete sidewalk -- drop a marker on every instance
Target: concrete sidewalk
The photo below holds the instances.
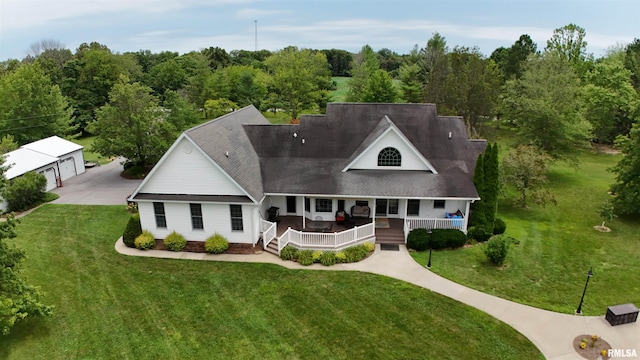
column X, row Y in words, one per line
column 551, row 332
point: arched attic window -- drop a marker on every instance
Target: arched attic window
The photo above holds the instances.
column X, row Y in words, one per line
column 389, row 157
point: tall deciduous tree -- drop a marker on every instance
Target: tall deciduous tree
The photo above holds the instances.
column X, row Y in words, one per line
column 611, row 102
column 132, row 125
column 627, row 187
column 32, row 107
column 568, row 44
column 435, row 69
column 18, row 299
column 300, row 79
column 511, row 60
column 632, row 62
column 340, row 61
column 88, row 78
column 526, row 169
column 472, row 87
column 545, row 106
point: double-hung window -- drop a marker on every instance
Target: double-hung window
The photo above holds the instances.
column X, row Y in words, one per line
column 196, row 217
column 161, row 217
column 236, row 217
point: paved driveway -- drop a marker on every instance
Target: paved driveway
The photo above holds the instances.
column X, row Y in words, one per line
column 101, row 185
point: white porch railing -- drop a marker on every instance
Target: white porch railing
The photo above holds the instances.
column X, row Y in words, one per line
column 331, row 241
column 432, row 223
column 268, row 230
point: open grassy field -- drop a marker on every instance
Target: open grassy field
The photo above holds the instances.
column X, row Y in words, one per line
column 340, row 93
column 114, row 306
column 558, row 245
column 89, row 155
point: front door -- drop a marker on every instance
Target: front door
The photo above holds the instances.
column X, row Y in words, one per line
column 381, row 207
column 291, row 205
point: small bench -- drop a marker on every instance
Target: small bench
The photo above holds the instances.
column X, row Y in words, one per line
column 621, row 314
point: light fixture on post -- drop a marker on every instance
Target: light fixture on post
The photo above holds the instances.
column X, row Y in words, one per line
column 589, row 275
column 430, row 247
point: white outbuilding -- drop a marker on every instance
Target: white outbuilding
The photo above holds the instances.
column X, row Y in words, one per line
column 69, row 154
column 23, row 160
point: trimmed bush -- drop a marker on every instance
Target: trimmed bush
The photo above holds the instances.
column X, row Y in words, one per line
column 437, row 240
column 175, row 242
column 317, row 255
column 216, row 244
column 496, row 249
column 341, row 257
column 289, row 253
column 478, row 233
column 132, row 231
column 418, row 239
column 305, row 257
column 448, row 238
column 499, row 226
column 328, row 258
column 145, row 241
column 25, row 192
column 370, row 246
column 355, row 253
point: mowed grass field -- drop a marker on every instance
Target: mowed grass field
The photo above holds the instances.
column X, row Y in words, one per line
column 111, row 306
column 558, row 245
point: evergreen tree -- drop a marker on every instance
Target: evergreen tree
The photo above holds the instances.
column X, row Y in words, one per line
column 477, row 208
column 491, row 185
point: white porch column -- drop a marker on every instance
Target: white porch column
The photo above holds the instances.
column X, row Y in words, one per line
column 304, row 211
column 466, row 215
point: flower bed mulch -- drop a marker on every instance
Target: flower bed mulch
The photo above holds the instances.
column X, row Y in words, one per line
column 593, row 348
column 198, row 247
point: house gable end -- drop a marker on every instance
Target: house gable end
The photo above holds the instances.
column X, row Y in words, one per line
column 390, row 138
column 186, row 169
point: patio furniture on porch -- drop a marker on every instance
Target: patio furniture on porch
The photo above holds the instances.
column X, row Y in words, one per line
column 341, row 217
column 358, row 211
column 273, row 213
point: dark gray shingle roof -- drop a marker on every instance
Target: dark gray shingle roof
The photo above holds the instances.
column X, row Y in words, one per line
column 225, row 135
column 266, row 158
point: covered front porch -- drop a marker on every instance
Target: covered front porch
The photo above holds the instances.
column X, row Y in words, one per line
column 304, row 233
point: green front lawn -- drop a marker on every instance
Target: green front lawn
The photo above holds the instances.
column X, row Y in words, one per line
column 558, row 245
column 340, row 93
column 114, row 306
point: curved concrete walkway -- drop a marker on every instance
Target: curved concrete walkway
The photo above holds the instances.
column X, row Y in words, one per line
column 551, row 332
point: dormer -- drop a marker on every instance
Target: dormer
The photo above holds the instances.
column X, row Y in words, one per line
column 387, row 148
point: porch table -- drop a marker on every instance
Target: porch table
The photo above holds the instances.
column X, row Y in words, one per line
column 318, row 226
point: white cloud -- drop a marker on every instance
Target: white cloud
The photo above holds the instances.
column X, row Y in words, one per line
column 252, row 13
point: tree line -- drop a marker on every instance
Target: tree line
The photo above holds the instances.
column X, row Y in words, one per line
column 558, row 98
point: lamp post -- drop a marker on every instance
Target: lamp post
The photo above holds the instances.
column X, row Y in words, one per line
column 430, row 247
column 589, row 275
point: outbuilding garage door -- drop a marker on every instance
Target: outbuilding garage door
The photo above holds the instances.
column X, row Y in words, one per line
column 67, row 168
column 50, row 174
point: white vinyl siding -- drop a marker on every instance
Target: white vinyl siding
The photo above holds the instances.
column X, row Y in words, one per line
column 187, row 162
column 216, row 218
column 410, row 160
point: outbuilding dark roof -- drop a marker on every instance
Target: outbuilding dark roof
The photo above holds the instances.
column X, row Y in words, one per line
column 309, row 158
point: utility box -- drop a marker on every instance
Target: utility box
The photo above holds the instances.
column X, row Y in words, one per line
column 621, row 314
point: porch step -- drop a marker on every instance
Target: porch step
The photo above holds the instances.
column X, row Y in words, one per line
column 272, row 247
column 390, row 238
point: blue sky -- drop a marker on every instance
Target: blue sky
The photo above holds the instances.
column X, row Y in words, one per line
column 186, row 25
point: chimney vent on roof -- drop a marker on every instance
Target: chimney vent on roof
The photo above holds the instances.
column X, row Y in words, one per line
column 303, row 140
column 295, row 135
column 449, row 134
column 226, row 153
